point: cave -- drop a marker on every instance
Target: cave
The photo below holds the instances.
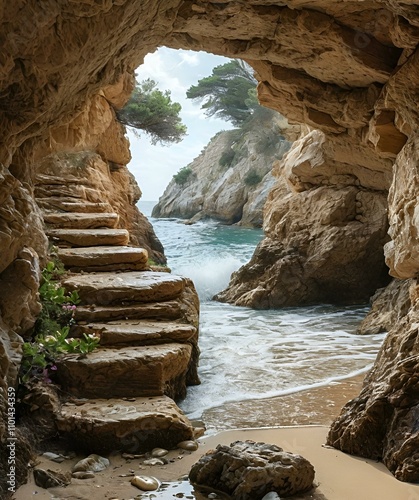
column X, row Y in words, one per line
column 346, row 70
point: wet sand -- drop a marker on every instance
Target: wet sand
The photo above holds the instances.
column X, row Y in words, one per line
column 338, row 476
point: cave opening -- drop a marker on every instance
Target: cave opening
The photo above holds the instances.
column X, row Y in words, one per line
column 344, row 71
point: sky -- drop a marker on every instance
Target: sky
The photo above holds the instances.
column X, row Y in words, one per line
column 174, row 70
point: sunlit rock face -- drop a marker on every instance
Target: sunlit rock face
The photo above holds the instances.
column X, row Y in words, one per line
column 348, row 69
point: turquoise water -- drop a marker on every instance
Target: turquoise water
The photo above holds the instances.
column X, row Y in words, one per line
column 248, row 354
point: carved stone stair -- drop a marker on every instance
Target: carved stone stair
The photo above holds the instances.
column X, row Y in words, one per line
column 55, row 203
column 75, row 220
column 88, row 237
column 138, row 332
column 161, row 311
column 147, row 423
column 118, row 396
column 127, row 372
column 126, row 288
column 104, row 258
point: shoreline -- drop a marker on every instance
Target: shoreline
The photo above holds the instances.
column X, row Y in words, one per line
column 311, row 406
column 338, row 476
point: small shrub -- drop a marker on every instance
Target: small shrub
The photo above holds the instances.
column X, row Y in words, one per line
column 227, row 157
column 183, row 176
column 51, row 330
column 252, row 178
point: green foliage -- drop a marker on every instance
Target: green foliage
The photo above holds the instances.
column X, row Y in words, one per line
column 183, row 176
column 52, row 329
column 151, row 110
column 252, row 178
column 229, row 93
column 227, row 157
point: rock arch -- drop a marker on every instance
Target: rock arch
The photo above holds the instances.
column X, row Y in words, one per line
column 348, row 69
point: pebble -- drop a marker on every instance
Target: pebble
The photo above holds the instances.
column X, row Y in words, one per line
column 83, row 475
column 213, row 495
column 54, row 457
column 272, row 495
column 130, row 456
column 146, row 483
column 154, row 461
column 159, row 452
column 188, row 445
column 93, row 463
column 198, row 431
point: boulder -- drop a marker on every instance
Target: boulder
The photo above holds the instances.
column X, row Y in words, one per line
column 246, row 470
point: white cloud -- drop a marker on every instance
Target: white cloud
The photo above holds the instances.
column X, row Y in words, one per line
column 188, row 57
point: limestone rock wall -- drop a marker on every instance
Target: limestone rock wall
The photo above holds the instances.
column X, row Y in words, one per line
column 222, row 191
column 325, row 232
column 348, row 69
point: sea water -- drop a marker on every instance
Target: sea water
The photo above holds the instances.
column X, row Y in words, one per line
column 250, row 354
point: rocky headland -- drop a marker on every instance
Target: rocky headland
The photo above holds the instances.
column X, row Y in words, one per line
column 230, row 180
column 349, row 70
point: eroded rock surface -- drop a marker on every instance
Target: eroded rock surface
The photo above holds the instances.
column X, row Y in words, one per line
column 147, row 423
column 323, row 244
column 232, row 190
column 381, row 423
column 348, row 69
column 246, row 470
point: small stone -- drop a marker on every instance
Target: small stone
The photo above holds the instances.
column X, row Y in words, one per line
column 50, row 479
column 213, row 495
column 93, row 463
column 159, row 452
column 198, row 432
column 154, row 461
column 54, row 457
column 145, row 483
column 272, row 495
column 83, row 475
column 188, row 445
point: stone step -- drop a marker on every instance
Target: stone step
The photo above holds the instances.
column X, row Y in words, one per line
column 127, row 372
column 88, row 237
column 139, row 332
column 134, row 426
column 73, row 205
column 104, row 289
column 104, row 258
column 165, row 311
column 73, row 220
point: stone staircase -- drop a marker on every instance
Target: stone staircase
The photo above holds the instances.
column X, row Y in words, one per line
column 121, row 396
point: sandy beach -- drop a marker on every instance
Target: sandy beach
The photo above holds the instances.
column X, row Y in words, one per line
column 338, row 476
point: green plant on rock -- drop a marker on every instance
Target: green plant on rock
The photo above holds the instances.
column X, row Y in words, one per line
column 226, row 158
column 51, row 330
column 183, row 176
column 252, row 178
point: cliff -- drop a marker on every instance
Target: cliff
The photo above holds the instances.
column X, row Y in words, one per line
column 230, row 180
column 349, row 70
column 324, row 232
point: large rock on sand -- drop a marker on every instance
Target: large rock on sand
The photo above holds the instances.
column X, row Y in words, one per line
column 246, row 470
